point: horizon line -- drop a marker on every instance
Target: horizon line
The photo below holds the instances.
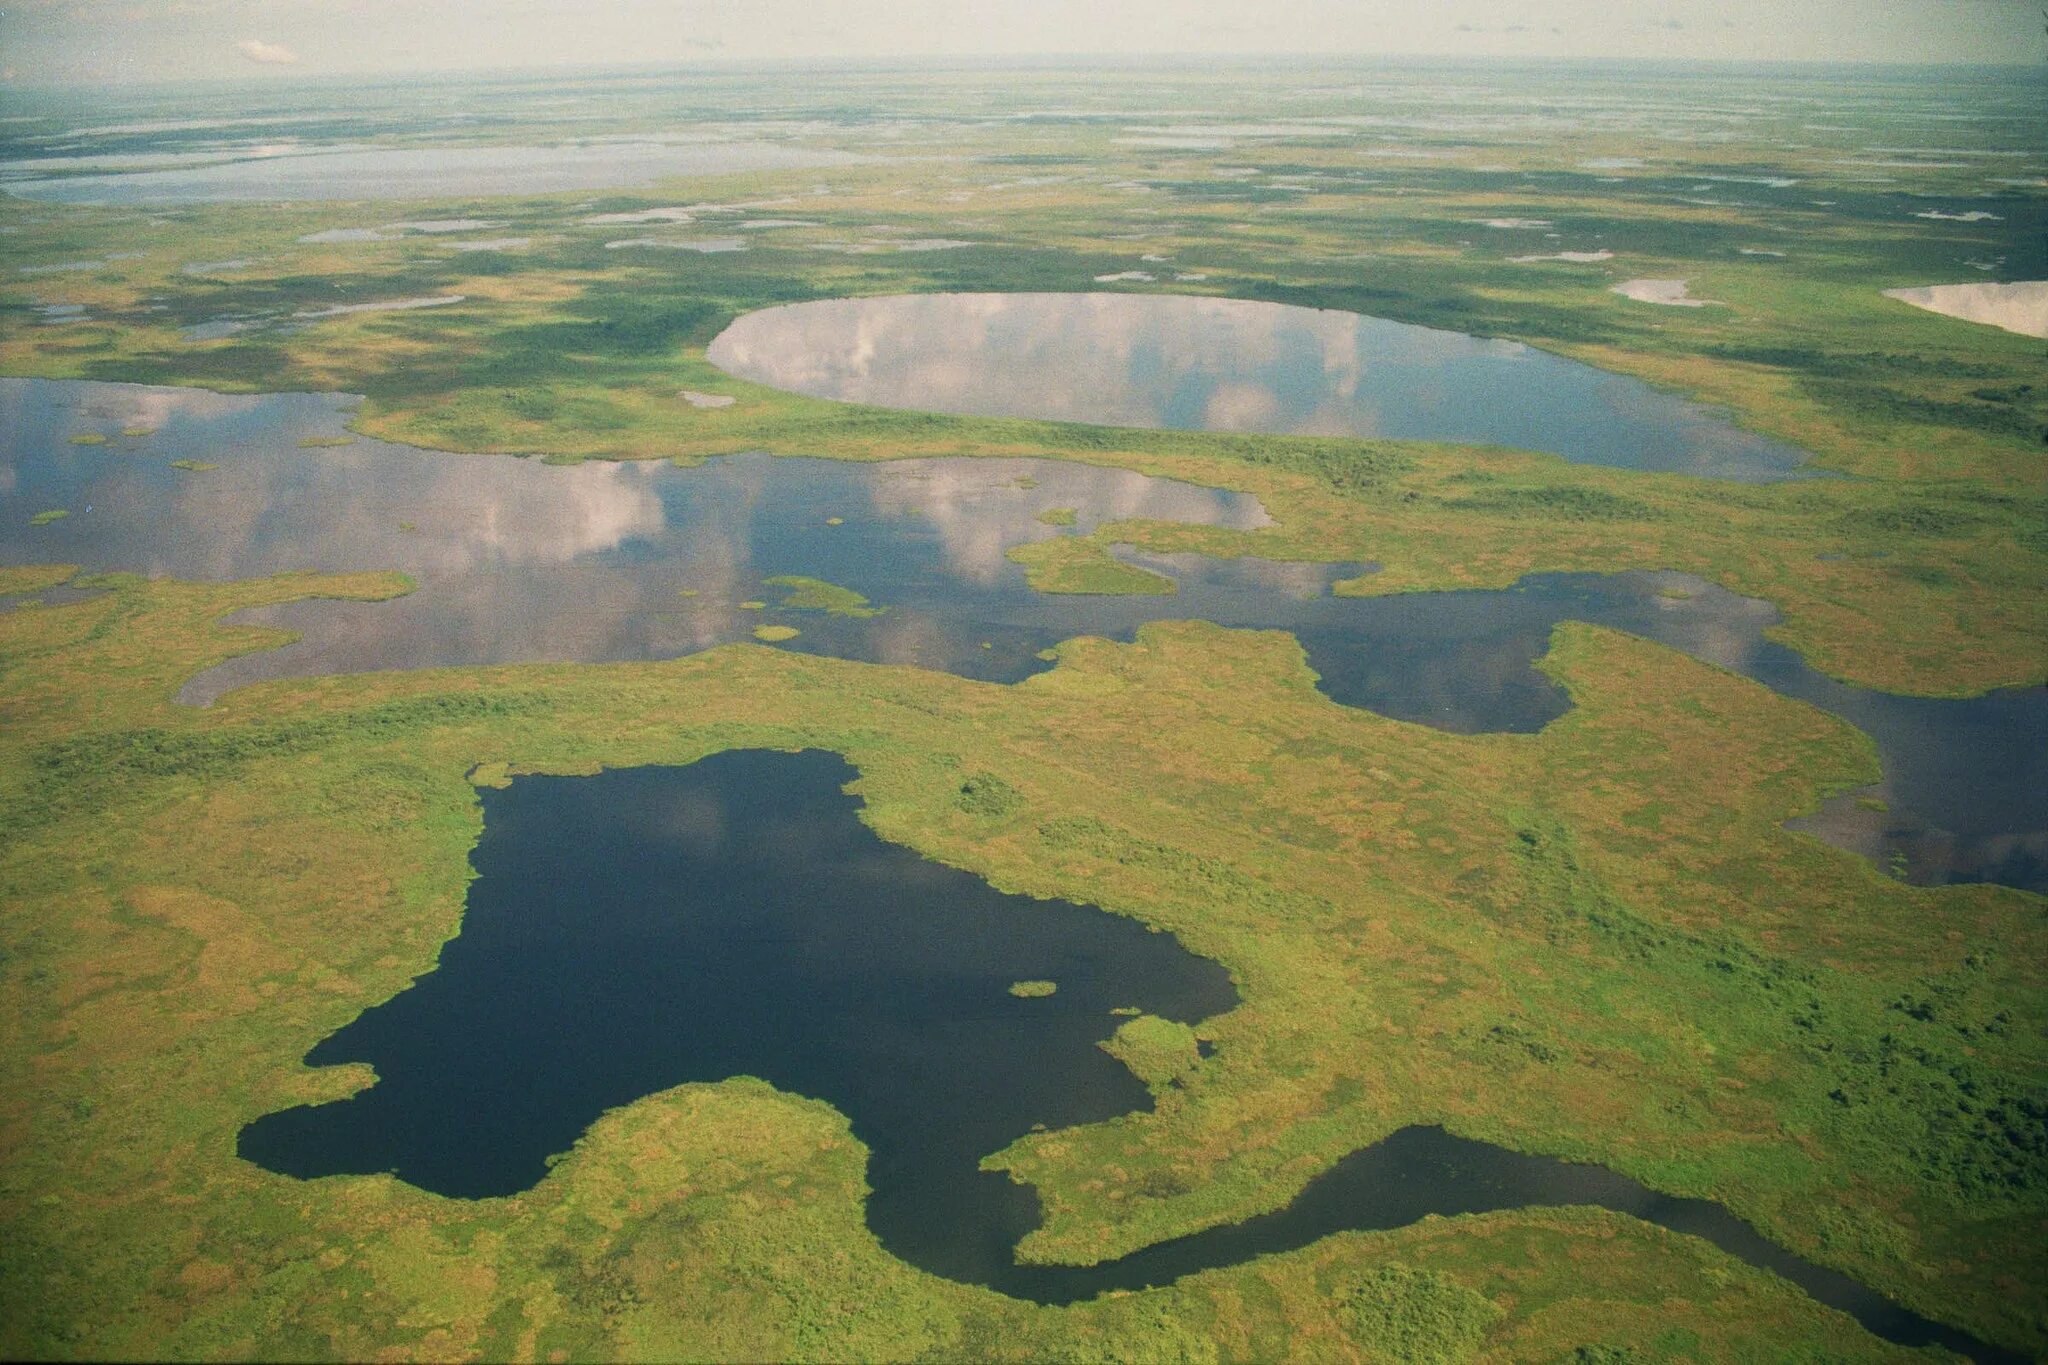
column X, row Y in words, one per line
column 287, row 75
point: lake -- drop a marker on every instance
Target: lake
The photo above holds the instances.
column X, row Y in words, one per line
column 646, row 927
column 1139, row 360
column 750, row 925
column 516, row 560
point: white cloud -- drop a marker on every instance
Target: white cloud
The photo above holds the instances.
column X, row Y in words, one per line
column 256, row 50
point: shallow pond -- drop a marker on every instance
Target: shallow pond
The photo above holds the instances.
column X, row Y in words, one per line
column 518, row 561
column 2021, row 306
column 1141, row 360
column 749, row 924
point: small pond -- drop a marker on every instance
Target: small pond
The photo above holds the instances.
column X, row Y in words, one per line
column 1140, row 360
column 520, row 561
column 647, row 927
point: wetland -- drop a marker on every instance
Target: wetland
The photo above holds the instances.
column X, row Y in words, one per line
column 628, row 730
column 518, row 561
column 646, row 927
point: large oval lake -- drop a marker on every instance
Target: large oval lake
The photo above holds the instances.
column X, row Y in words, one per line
column 1145, row 360
column 518, row 561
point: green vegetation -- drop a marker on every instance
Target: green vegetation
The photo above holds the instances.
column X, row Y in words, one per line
column 1058, row 516
column 1930, row 558
column 1033, row 990
column 987, row 795
column 776, row 634
column 1419, row 923
column 1074, row 565
column 814, row 594
column 1597, row 941
column 1402, row 1314
column 1159, row 1052
column 48, row 515
column 195, row 466
column 325, row 442
column 89, row 438
column 1919, row 575
column 20, row 578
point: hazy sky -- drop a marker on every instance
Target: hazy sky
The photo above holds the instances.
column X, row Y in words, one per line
column 94, row 41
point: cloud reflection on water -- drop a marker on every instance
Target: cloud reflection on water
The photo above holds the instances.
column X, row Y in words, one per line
column 521, row 561
column 1230, row 365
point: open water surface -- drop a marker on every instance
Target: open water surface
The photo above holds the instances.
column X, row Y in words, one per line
column 647, row 927
column 521, row 561
column 1139, row 360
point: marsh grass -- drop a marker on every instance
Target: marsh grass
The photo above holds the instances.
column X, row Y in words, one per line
column 1596, row 941
column 815, row 594
column 1373, row 888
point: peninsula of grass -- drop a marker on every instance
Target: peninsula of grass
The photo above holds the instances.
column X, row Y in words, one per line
column 815, row 594
column 1162, row 1053
column 1070, row 565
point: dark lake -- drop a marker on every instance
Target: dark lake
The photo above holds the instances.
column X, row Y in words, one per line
column 527, row 561
column 646, row 927
column 518, row 561
column 1139, row 360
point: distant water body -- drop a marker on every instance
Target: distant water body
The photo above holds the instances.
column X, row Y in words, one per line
column 408, row 172
column 516, row 560
column 1140, row 360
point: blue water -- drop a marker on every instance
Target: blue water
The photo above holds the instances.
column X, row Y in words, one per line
column 1137, row 360
column 517, row 560
column 648, row 927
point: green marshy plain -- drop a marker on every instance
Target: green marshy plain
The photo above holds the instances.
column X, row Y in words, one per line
column 1595, row 941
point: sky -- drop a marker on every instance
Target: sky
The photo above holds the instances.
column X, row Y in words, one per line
column 44, row 42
